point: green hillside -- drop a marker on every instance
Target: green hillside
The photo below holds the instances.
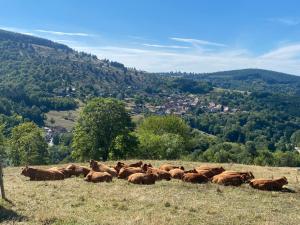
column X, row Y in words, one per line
column 37, row 75
column 248, row 80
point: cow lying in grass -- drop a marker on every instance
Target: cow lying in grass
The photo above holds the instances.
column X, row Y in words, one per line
column 168, row 167
column 121, row 165
column 194, row 177
column 160, row 174
column 97, row 177
column 42, row 174
column 100, row 167
column 176, row 173
column 75, row 170
column 232, row 178
column 268, row 184
column 209, row 171
column 125, row 172
column 142, row 178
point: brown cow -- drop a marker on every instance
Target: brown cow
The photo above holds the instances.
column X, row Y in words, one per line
column 269, row 185
column 176, row 173
column 142, row 178
column 161, row 174
column 99, row 167
column 194, row 178
column 209, row 171
column 96, row 177
column 42, row 174
column 136, row 164
column 229, row 179
column 62, row 170
column 120, row 165
column 247, row 176
column 125, row 172
column 168, row 167
column 75, row 170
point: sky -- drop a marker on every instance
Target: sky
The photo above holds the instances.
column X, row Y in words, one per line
column 168, row 35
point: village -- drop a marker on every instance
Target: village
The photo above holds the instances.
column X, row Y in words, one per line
column 177, row 105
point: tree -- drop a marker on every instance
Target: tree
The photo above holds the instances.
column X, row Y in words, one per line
column 28, row 145
column 163, row 137
column 101, row 121
column 250, row 147
column 295, row 138
column 165, row 124
column 124, row 146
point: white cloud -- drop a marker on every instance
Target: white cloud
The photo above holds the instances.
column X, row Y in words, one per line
column 162, row 60
column 166, row 46
column 197, row 42
column 286, row 52
column 286, row 21
column 62, row 33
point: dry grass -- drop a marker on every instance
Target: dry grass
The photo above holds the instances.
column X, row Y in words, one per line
column 74, row 201
column 64, row 119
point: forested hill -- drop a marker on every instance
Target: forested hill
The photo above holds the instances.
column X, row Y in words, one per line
column 44, row 75
column 248, row 80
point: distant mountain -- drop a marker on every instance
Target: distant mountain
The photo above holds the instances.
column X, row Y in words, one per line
column 248, row 80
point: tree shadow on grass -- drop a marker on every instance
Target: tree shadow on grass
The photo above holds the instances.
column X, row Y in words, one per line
column 9, row 215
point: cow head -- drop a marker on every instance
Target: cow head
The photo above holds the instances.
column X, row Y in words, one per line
column 146, row 166
column 283, row 181
column 93, row 164
column 25, row 171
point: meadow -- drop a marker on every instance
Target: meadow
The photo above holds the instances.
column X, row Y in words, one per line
column 74, row 201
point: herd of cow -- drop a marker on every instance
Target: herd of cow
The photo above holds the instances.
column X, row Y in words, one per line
column 140, row 173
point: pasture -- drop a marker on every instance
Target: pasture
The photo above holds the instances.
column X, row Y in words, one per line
column 73, row 201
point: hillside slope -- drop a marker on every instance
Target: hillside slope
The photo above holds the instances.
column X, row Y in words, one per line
column 37, row 75
column 248, row 80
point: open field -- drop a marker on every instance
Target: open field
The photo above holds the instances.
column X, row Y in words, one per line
column 64, row 119
column 73, row 201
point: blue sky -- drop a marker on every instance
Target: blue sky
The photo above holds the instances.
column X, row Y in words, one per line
column 168, row 35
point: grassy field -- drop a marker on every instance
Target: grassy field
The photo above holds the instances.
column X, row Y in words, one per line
column 64, row 119
column 73, row 201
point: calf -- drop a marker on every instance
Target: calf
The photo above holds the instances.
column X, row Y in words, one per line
column 142, row 178
column 168, row 167
column 194, row 178
column 99, row 167
column 269, row 185
column 97, row 177
column 42, row 174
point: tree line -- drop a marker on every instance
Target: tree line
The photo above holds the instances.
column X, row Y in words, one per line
column 105, row 131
